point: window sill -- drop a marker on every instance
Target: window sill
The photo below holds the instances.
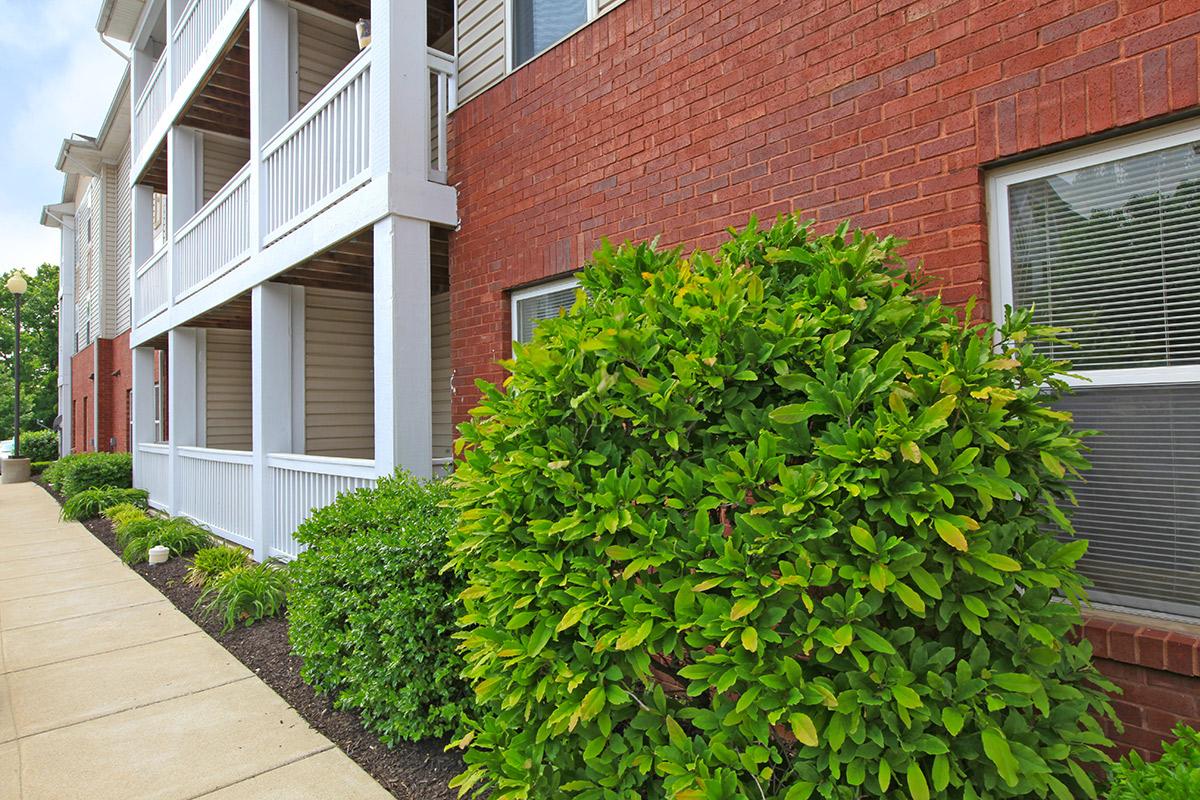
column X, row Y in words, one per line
column 1158, row 644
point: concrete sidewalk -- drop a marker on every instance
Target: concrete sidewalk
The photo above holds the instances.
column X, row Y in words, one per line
column 108, row 691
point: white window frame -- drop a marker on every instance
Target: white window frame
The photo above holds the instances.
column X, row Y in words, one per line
column 593, row 13
column 1000, row 252
column 537, row 291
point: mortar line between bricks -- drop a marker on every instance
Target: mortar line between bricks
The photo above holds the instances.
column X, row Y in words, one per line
column 115, row 712
column 329, row 746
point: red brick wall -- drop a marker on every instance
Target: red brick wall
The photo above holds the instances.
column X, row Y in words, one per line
column 1157, row 665
column 682, row 117
column 83, row 366
column 101, row 374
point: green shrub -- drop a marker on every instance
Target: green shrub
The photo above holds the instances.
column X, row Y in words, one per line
column 122, row 512
column 372, row 615
column 245, row 594
column 39, row 446
column 38, row 467
column 56, row 473
column 773, row 524
column 213, row 561
column 89, row 503
column 92, row 470
column 1175, row 776
column 131, row 527
column 178, row 535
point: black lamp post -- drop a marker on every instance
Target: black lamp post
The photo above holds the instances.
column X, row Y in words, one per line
column 17, row 285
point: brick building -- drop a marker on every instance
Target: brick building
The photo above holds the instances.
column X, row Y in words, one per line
column 946, row 123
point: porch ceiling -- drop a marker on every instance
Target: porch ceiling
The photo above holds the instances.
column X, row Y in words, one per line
column 155, row 174
column 352, row 10
column 347, row 265
column 222, row 103
column 232, row 315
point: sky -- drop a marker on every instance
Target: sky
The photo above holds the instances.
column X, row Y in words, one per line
column 56, row 79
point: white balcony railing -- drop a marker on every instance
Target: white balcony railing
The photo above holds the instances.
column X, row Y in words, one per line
column 153, row 285
column 300, row 484
column 154, row 472
column 323, row 153
column 195, row 29
column 151, row 104
column 442, row 76
column 217, row 490
column 216, row 239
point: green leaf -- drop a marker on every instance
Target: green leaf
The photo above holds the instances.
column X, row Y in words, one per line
column 952, row 720
column 951, row 534
column 918, row 787
column 995, row 746
column 801, row 790
column 1000, row 562
column 874, row 641
column 632, row 638
column 803, row 729
column 863, row 538
column 593, row 703
column 1015, row 682
column 909, row 597
column 910, row 452
column 743, row 607
column 791, row 414
column 573, row 615
column 750, row 639
column 1052, row 463
column 940, row 773
column 907, row 697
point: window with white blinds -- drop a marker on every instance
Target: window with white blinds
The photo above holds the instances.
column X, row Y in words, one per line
column 1106, row 241
column 531, row 306
column 538, row 25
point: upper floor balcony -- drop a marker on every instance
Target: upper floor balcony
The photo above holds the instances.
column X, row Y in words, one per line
column 360, row 128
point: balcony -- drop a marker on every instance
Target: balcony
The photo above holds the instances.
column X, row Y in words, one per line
column 320, row 158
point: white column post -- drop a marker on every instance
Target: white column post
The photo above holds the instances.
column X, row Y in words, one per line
column 181, row 197
column 399, row 93
column 66, row 331
column 403, row 361
column 271, row 366
column 143, row 411
column 182, row 399
column 270, row 103
column 142, row 220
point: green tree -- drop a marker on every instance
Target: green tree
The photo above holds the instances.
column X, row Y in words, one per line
column 39, row 352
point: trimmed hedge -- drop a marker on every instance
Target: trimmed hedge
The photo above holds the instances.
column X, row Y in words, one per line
column 79, row 471
column 371, row 613
column 773, row 524
column 39, row 446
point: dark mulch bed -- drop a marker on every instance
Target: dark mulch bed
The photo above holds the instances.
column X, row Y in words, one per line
column 410, row 771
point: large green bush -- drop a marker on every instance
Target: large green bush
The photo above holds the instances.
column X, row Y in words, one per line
column 74, row 473
column 1175, row 776
column 773, row 524
column 39, row 445
column 371, row 613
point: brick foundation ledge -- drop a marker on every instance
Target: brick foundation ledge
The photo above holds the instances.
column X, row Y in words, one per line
column 1157, row 665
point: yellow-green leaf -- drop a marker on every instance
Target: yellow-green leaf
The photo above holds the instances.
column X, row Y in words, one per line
column 743, row 607
column 951, row 534
column 803, row 729
column 573, row 615
column 632, row 638
column 863, row 538
column 750, row 639
column 918, row 787
column 911, row 452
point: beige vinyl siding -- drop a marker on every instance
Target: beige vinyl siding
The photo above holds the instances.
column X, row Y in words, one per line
column 124, row 252
column 481, row 54
column 339, row 375
column 227, row 408
column 325, row 48
column 88, row 260
column 223, row 157
column 443, row 429
column 482, row 46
